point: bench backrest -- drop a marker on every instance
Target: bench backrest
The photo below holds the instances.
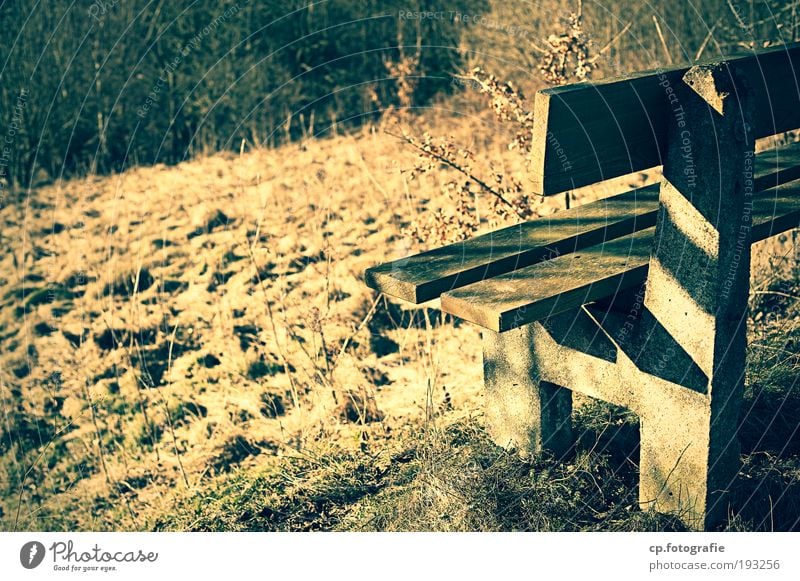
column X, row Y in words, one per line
column 590, row 132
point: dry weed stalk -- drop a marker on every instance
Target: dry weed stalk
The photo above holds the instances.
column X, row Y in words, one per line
column 568, row 55
column 508, row 200
column 405, row 71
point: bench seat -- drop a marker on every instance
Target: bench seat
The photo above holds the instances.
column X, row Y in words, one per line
column 538, row 291
column 425, row 276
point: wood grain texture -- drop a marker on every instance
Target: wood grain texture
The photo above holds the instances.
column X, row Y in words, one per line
column 423, row 277
column 536, row 292
column 590, row 132
column 542, row 290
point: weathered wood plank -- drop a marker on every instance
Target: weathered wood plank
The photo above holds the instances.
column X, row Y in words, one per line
column 541, row 290
column 590, row 132
column 423, row 277
column 777, row 165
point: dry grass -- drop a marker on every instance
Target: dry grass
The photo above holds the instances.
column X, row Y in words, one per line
column 181, row 334
column 194, row 348
column 445, row 475
column 166, row 325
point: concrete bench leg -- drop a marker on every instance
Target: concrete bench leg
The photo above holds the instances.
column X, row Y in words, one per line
column 689, row 457
column 522, row 411
column 697, row 289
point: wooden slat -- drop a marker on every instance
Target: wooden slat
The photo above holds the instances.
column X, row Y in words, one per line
column 536, row 292
column 777, row 165
column 423, row 277
column 590, row 132
column 541, row 290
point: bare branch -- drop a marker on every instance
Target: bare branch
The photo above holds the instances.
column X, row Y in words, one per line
column 450, row 163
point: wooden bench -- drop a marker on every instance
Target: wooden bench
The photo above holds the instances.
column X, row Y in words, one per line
column 639, row 299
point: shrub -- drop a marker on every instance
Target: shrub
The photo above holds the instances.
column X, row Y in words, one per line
column 103, row 86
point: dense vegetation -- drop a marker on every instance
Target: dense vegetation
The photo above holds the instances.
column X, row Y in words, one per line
column 98, row 86
column 112, row 84
column 194, row 347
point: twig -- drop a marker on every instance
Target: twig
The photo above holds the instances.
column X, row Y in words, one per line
column 610, row 43
column 704, row 44
column 456, row 167
column 776, row 293
column 371, row 177
column 166, row 407
column 88, row 395
column 273, row 326
column 736, row 15
column 537, row 48
column 360, row 326
column 270, row 316
column 661, row 38
column 33, row 465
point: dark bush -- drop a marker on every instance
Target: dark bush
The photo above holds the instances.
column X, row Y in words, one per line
column 99, row 86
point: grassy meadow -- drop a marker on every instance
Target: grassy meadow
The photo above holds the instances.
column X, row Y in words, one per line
column 189, row 345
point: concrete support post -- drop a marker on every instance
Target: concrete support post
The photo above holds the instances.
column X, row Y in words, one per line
column 697, row 289
column 522, row 411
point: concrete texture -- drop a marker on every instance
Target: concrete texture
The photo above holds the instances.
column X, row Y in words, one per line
column 678, row 361
column 698, row 290
column 523, row 412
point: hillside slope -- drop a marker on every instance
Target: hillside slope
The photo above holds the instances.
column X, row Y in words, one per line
column 168, row 323
column 164, row 327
